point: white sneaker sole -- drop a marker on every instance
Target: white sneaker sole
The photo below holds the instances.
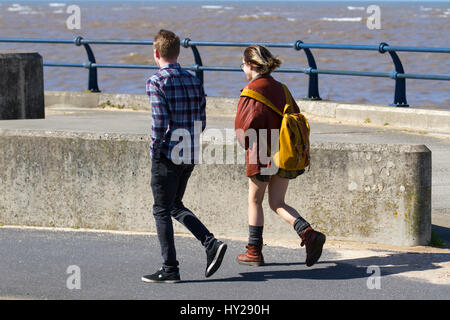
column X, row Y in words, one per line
column 217, row 259
column 159, row 281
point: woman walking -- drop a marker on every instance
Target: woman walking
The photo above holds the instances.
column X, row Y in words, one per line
column 257, row 64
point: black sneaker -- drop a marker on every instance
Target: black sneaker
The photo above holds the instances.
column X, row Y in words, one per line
column 161, row 276
column 214, row 258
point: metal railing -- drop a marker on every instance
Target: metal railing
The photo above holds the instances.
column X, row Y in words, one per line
column 312, row 71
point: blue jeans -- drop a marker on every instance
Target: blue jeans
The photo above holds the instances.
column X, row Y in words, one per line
column 168, row 182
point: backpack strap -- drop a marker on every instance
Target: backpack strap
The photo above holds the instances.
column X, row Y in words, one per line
column 288, row 99
column 259, row 97
column 246, row 92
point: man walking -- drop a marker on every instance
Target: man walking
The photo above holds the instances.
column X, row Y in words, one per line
column 178, row 105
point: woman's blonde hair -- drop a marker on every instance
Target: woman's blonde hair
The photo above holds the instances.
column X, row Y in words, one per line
column 260, row 58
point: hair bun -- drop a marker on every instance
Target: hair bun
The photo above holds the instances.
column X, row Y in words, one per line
column 261, row 58
column 273, row 63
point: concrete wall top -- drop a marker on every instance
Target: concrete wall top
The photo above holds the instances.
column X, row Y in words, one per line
column 410, row 118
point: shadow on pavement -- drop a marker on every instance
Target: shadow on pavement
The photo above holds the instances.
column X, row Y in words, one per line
column 391, row 264
column 443, row 233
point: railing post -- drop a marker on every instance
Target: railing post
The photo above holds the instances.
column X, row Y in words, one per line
column 313, row 86
column 93, row 82
column 400, row 83
column 197, row 58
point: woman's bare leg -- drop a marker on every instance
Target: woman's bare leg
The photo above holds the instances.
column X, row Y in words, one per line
column 277, row 192
column 256, row 190
column 254, row 256
column 312, row 239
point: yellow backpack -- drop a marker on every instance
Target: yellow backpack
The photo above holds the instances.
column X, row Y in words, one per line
column 294, row 133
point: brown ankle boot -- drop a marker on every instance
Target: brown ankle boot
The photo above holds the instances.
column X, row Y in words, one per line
column 253, row 256
column 314, row 241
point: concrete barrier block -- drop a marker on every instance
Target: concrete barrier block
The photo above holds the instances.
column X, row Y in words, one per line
column 319, row 108
column 77, row 99
column 133, row 101
column 221, row 106
column 417, row 119
column 60, row 179
column 358, row 192
column 371, row 193
column 21, row 86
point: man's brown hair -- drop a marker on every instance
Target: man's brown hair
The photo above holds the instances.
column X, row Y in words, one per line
column 168, row 44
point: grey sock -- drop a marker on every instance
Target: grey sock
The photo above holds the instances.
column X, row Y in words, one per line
column 255, row 235
column 300, row 225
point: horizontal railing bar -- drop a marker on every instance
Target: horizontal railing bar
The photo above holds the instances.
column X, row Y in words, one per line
column 125, row 66
column 81, row 41
column 417, row 49
column 371, row 47
column 238, row 44
column 370, row 74
column 62, row 41
column 423, row 76
column 338, row 46
column 382, row 74
column 233, row 69
column 206, row 68
column 70, row 65
column 100, row 65
column 132, row 42
column 321, row 46
column 281, row 70
column 353, row 73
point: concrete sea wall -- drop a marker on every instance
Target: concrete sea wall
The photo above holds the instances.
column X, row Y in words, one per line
column 359, row 192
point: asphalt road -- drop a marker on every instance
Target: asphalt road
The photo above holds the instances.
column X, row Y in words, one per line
column 52, row 264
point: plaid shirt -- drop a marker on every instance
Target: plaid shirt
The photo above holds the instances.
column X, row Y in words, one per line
column 178, row 106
